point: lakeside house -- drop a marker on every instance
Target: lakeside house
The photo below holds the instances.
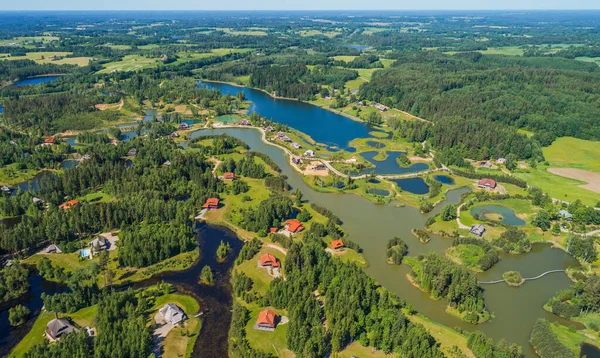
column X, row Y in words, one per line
column 293, row 226
column 244, row 122
column 37, row 201
column 282, row 137
column 53, row 249
column 268, row 260
column 183, row 125
column 487, row 183
column 269, row 129
column 317, row 166
column 380, row 107
column 86, row 157
column 69, row 204
column 58, row 327
column 132, row 152
column 211, row 204
column 295, row 145
column 99, row 244
column 296, row 160
column 565, row 215
column 228, row 176
column 172, row 314
column 337, row 244
column 267, row 321
column 6, row 189
column 174, row 135
column 309, row 153
column 477, row 229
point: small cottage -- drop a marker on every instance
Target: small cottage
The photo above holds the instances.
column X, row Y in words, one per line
column 487, row 183
column 172, row 314
column 337, row 244
column 211, row 204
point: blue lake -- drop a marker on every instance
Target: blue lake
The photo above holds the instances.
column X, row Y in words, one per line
column 69, row 163
column 413, row 185
column 444, row 179
column 508, row 215
column 36, row 80
column 390, row 165
column 323, row 126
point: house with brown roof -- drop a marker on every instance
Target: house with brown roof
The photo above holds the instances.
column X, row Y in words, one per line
column 487, row 183
column 58, row 327
column 337, row 244
column 69, row 204
column 228, row 176
column 268, row 260
column 267, row 321
column 211, row 204
column 293, row 226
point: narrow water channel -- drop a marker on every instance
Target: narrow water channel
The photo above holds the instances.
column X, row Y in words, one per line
column 371, row 226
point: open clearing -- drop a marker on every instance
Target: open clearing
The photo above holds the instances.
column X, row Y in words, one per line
column 130, row 63
column 592, row 179
column 569, row 152
column 57, row 58
column 559, row 187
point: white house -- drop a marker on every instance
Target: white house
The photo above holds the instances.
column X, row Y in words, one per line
column 172, row 314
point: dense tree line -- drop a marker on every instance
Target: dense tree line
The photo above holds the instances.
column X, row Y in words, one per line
column 14, row 281
column 546, row 343
column 513, row 241
column 543, row 96
column 443, row 278
column 356, row 308
column 284, row 81
column 484, row 347
column 581, row 297
column 271, row 212
column 582, row 247
column 26, row 151
column 326, row 212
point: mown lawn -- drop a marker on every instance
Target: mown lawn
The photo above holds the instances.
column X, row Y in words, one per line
column 559, row 187
column 130, row 63
column 260, row 276
column 272, row 342
column 35, row 336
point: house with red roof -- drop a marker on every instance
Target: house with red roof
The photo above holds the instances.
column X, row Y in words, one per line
column 487, row 183
column 211, row 204
column 267, row 320
column 69, row 204
column 337, row 244
column 293, row 226
column 273, row 230
column 49, row 140
column 268, row 260
column 228, row 176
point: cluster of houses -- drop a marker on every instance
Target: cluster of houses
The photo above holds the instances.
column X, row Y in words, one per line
column 291, row 226
column 282, row 137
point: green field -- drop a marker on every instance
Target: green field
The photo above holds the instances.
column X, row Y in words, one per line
column 272, row 342
column 260, row 276
column 130, row 63
column 569, row 152
column 595, row 60
column 344, row 58
column 355, row 84
column 559, row 187
column 467, row 255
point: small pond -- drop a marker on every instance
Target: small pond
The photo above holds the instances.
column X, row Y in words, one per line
column 413, row 185
column 589, row 351
column 69, row 163
column 36, row 80
column 389, row 165
column 374, row 144
column 381, row 192
column 444, row 179
column 508, row 215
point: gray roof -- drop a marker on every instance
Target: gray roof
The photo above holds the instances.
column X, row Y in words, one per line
column 59, row 326
column 172, row 314
column 53, row 248
column 477, row 229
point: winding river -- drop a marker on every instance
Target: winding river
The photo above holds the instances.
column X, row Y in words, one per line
column 515, row 308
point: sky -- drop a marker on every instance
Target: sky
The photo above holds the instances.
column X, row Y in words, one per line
column 298, row 4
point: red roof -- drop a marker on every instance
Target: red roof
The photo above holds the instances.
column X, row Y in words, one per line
column 487, row 182
column 69, row 204
column 336, row 244
column 294, row 225
column 273, row 229
column 269, row 260
column 211, row 203
column 266, row 317
column 49, row 140
column 228, row 175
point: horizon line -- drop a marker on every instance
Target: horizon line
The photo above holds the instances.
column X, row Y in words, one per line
column 297, row 10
